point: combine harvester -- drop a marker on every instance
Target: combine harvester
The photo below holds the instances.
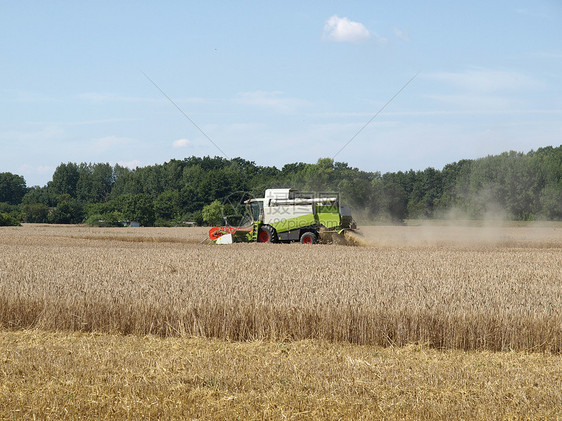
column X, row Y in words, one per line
column 286, row 215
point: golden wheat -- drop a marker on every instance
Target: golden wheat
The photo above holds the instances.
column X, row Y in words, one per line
column 466, row 295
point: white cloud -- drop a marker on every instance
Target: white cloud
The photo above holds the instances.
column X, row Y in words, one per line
column 100, row 97
column 33, row 97
column 270, row 99
column 400, row 34
column 45, row 169
column 181, row 143
column 47, row 133
column 547, row 55
column 477, row 103
column 344, row 30
column 532, row 13
column 485, row 91
column 382, row 41
column 95, row 122
column 31, row 172
column 107, row 142
column 481, row 80
column 130, row 164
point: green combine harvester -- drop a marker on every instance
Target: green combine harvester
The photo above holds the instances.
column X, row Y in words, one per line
column 287, row 215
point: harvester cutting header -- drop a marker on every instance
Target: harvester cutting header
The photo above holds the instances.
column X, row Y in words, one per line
column 287, row 215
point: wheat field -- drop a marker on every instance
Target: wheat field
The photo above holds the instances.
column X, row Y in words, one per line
column 151, row 323
column 448, row 287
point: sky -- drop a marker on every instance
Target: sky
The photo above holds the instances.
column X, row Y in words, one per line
column 381, row 85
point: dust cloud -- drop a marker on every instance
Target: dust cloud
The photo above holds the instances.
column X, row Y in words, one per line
column 462, row 234
column 456, row 228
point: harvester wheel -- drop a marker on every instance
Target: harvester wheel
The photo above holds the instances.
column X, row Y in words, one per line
column 309, row 238
column 267, row 234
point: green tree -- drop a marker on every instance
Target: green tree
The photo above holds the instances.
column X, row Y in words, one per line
column 523, row 185
column 138, row 207
column 107, row 219
column 395, row 196
column 67, row 211
column 212, row 213
column 8, row 220
column 35, row 212
column 551, row 202
column 167, row 205
column 427, row 189
column 94, row 182
column 43, row 195
column 65, row 179
column 12, row 188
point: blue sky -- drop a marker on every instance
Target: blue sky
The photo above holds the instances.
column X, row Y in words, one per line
column 276, row 83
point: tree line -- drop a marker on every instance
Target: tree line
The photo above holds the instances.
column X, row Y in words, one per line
column 522, row 186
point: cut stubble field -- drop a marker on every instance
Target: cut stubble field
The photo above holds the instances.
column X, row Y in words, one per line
column 455, row 293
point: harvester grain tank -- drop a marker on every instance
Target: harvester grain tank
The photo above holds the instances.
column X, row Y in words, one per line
column 287, row 215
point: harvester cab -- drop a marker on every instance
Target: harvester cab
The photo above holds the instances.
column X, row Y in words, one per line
column 287, row 215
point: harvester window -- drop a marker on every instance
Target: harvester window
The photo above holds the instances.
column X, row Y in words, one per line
column 257, row 210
